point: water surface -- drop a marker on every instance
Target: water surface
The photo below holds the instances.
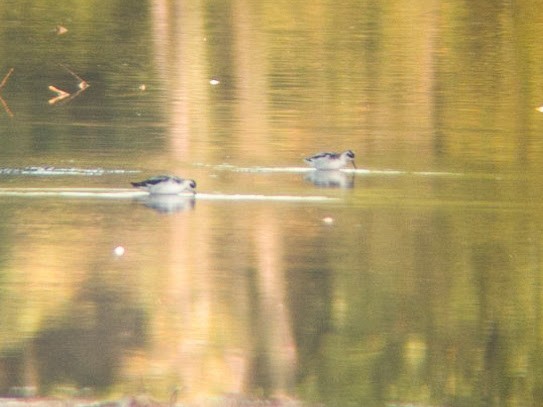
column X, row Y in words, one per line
column 414, row 280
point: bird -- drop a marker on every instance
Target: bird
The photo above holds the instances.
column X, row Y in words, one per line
column 166, row 185
column 331, row 161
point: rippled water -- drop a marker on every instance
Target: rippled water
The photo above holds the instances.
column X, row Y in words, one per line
column 412, row 280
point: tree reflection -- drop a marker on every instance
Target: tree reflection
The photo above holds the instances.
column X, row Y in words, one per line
column 87, row 345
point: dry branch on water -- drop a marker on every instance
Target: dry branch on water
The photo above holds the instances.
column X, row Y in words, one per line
column 83, row 84
column 2, row 84
column 60, row 30
column 66, row 96
column 60, row 95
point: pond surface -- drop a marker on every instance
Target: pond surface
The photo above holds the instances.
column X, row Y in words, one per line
column 415, row 279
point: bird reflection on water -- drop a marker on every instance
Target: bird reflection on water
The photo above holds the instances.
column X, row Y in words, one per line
column 168, row 204
column 330, row 179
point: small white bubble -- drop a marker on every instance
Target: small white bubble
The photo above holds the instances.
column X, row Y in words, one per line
column 119, row 251
column 214, row 82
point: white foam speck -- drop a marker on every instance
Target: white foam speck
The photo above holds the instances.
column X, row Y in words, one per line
column 328, row 220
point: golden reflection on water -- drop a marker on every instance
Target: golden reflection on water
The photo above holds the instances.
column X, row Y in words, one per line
column 216, row 309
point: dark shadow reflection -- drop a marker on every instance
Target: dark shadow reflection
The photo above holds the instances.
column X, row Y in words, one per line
column 87, row 345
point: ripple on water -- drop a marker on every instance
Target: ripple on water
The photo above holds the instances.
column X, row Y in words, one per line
column 50, row 170
column 123, row 193
column 304, row 170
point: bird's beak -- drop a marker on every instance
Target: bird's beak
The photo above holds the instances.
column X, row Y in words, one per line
column 354, row 166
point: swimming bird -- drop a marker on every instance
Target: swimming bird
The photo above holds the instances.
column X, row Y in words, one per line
column 330, row 161
column 166, row 185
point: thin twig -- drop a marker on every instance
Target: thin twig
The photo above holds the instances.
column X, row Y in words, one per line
column 6, row 78
column 76, row 76
column 60, row 95
column 2, row 84
column 63, row 96
column 6, row 107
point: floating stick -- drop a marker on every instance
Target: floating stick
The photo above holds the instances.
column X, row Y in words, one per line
column 83, row 84
column 6, row 107
column 2, row 84
column 60, row 95
column 63, row 95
